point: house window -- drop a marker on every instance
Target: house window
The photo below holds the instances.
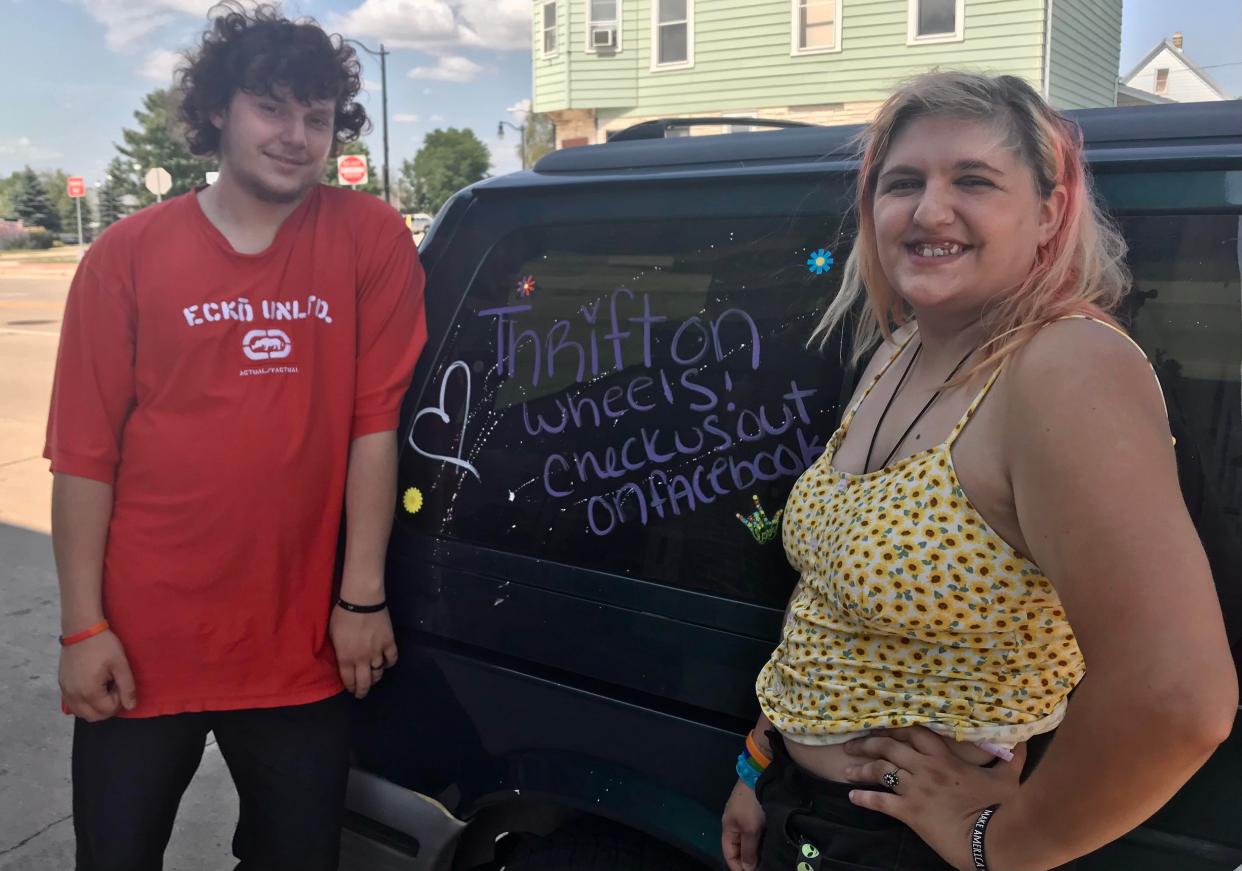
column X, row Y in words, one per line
column 603, row 32
column 549, row 29
column 935, row 21
column 1162, row 80
column 673, row 32
column 816, row 26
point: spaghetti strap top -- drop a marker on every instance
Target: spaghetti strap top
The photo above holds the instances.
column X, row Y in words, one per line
column 910, row 609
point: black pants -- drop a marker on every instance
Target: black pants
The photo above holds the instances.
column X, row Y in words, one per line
column 812, row 826
column 289, row 766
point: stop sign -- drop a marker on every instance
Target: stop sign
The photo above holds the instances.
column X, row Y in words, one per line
column 351, row 169
column 75, row 186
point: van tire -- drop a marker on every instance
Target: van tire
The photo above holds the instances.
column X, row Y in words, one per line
column 596, row 848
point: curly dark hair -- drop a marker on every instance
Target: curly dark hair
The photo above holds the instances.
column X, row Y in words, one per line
column 257, row 51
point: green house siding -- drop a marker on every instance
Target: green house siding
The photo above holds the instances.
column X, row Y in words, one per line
column 742, row 58
column 551, row 75
column 604, row 79
column 1084, row 53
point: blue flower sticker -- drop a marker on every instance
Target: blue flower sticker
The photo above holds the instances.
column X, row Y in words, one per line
column 820, row 261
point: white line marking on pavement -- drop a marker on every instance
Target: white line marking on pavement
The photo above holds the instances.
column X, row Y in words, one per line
column 28, row 332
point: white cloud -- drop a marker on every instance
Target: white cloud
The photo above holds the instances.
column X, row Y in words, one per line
column 440, row 25
column 159, row 65
column 22, row 149
column 519, row 110
column 127, row 22
column 437, row 119
column 372, row 86
column 405, row 118
column 449, row 69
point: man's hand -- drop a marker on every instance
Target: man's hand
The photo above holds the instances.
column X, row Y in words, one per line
column 95, row 680
column 364, row 645
column 741, row 827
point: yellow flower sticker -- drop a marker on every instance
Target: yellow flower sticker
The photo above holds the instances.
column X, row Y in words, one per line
column 413, row 500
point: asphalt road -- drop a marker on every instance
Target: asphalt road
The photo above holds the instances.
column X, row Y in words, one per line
column 36, row 829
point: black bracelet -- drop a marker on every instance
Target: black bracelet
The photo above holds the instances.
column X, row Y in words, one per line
column 360, row 609
column 976, row 838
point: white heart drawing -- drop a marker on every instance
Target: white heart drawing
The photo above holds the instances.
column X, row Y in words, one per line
column 440, row 412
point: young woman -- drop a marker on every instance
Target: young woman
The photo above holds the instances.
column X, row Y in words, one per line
column 997, row 516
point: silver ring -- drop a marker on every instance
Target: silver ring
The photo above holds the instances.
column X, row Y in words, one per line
column 890, row 779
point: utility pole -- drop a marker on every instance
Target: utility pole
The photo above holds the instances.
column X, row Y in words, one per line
column 382, row 54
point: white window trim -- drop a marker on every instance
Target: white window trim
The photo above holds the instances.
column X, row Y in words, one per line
column 688, row 63
column 912, row 26
column 794, row 49
column 616, row 24
column 543, row 7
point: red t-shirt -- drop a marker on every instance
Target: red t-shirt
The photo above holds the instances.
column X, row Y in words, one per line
column 219, row 392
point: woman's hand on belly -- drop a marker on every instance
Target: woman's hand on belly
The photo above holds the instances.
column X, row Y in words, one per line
column 830, row 761
column 938, row 794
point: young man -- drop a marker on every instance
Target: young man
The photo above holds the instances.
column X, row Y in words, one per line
column 230, row 373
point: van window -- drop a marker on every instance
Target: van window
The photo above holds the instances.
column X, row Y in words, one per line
column 1186, row 312
column 633, row 397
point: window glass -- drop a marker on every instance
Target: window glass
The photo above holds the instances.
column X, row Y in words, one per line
column 1186, row 312
column 937, row 17
column 549, row 28
column 636, row 398
column 603, row 11
column 816, row 27
column 672, row 32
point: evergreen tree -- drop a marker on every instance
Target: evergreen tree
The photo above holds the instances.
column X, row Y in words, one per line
column 160, row 141
column 33, row 206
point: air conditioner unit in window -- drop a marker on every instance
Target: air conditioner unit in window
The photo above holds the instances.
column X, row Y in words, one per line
column 603, row 37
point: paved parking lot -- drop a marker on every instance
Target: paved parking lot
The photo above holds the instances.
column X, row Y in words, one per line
column 36, row 831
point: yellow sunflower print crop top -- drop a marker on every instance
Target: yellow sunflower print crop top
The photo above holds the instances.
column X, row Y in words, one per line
column 912, row 610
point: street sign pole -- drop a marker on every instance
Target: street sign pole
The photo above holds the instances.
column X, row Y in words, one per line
column 75, row 187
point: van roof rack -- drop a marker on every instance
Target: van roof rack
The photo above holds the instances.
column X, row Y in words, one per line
column 1126, row 133
column 658, row 129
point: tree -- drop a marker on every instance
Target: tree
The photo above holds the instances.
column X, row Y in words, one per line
column 160, row 141
column 118, row 182
column 448, row 161
column 32, row 204
column 108, row 205
column 8, row 193
column 374, row 183
column 539, row 138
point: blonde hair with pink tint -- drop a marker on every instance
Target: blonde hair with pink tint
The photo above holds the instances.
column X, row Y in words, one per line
column 1080, row 270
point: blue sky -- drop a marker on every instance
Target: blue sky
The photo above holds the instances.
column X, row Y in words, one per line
column 75, row 70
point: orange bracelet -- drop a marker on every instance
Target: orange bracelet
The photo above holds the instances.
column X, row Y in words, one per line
column 91, row 632
column 757, row 754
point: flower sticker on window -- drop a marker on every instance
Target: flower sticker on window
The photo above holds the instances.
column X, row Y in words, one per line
column 820, row 261
column 526, row 286
column 413, row 500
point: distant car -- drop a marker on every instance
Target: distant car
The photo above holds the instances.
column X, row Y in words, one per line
column 419, row 222
column 616, row 380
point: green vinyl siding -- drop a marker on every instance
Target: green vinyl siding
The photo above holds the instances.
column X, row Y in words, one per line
column 1085, row 51
column 551, row 75
column 742, row 56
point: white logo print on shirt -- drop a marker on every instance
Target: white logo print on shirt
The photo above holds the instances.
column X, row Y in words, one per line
column 267, row 345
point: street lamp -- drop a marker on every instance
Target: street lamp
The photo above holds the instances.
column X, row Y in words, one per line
column 382, row 54
column 521, row 131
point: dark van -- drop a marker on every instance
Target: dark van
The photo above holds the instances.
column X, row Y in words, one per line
column 586, row 571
